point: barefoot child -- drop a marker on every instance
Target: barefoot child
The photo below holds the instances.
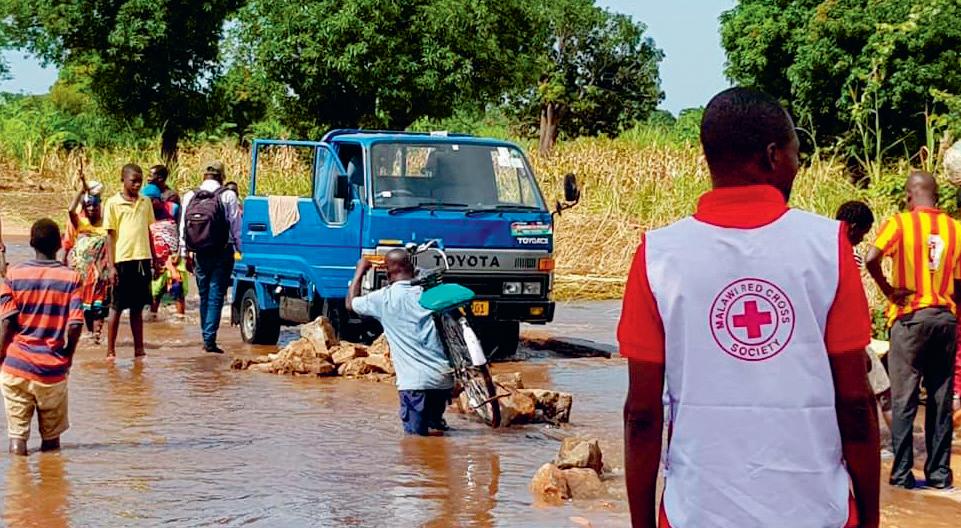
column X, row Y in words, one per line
column 127, row 219
column 40, row 307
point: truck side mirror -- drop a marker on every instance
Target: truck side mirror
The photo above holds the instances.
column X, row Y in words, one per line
column 572, row 194
column 342, row 187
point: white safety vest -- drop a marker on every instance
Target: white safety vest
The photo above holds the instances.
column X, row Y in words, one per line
column 755, row 434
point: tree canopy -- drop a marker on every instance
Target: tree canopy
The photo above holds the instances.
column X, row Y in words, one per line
column 382, row 63
column 151, row 60
column 851, row 69
column 598, row 73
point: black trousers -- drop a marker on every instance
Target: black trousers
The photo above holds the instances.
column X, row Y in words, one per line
column 923, row 347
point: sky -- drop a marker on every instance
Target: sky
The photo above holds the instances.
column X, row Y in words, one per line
column 686, row 30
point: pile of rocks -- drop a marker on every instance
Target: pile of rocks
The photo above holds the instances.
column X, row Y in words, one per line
column 575, row 474
column 524, row 406
column 318, row 352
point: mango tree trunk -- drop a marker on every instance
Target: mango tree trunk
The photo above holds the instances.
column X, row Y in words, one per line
column 551, row 115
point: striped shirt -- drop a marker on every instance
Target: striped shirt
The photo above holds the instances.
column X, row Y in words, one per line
column 44, row 296
column 925, row 245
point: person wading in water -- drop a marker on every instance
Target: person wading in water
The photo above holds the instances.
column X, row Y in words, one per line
column 755, row 318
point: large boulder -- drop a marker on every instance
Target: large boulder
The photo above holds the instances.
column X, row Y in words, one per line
column 549, row 485
column 580, row 453
column 347, row 352
column 584, row 483
column 320, row 333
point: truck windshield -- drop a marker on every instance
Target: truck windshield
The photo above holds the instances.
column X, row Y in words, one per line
column 474, row 177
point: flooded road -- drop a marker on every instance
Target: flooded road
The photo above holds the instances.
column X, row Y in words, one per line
column 181, row 440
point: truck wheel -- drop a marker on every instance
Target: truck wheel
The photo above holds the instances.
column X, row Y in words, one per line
column 257, row 326
column 499, row 339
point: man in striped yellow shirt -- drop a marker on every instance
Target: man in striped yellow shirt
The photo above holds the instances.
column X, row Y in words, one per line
column 925, row 247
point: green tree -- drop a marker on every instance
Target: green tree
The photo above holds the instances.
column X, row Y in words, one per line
column 151, row 60
column 599, row 73
column 381, row 63
column 862, row 72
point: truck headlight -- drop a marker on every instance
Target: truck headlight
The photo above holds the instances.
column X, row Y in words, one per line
column 532, row 288
column 512, row 288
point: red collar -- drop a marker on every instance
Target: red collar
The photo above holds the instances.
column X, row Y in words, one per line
column 932, row 210
column 746, row 207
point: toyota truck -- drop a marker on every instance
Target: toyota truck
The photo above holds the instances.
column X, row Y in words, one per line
column 364, row 193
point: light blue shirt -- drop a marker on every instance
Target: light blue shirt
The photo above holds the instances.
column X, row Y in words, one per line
column 415, row 346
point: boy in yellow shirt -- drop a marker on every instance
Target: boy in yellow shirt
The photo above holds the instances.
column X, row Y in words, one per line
column 127, row 219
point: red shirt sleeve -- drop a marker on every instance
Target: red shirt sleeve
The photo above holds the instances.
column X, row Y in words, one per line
column 849, row 321
column 640, row 331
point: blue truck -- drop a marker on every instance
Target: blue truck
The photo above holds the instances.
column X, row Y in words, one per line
column 373, row 191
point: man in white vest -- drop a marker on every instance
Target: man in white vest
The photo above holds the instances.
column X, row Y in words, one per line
column 754, row 318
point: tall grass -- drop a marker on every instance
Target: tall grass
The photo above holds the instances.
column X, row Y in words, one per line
column 639, row 181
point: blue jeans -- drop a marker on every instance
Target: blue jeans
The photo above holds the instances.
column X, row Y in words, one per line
column 213, row 278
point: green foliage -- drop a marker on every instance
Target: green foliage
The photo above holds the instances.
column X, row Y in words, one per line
column 149, row 60
column 862, row 71
column 492, row 123
column 598, row 73
column 381, row 63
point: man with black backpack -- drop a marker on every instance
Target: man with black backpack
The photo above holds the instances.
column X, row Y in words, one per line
column 209, row 235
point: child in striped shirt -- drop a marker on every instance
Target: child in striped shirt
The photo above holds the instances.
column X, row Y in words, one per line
column 41, row 309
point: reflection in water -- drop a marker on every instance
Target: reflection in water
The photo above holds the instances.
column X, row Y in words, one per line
column 37, row 498
column 181, row 440
column 463, row 482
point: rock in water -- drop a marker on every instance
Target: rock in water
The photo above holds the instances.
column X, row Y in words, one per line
column 302, row 348
column 549, row 485
column 354, row 367
column 347, row 352
column 509, row 380
column 516, row 408
column 580, row 453
column 320, row 333
column 379, row 347
column 584, row 483
column 952, row 163
column 323, row 368
column 241, row 363
column 380, row 363
column 552, row 407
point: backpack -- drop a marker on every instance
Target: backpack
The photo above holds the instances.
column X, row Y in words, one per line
column 205, row 222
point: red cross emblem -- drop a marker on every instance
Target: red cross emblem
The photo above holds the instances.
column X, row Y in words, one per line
column 752, row 319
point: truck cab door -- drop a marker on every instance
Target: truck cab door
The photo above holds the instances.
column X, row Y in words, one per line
column 341, row 223
column 317, row 254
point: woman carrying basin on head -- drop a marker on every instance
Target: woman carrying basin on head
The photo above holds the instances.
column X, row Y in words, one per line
column 85, row 252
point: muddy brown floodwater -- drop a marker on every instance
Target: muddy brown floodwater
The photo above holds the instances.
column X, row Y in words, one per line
column 181, row 440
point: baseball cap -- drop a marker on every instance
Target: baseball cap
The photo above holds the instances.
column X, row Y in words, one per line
column 214, row 166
